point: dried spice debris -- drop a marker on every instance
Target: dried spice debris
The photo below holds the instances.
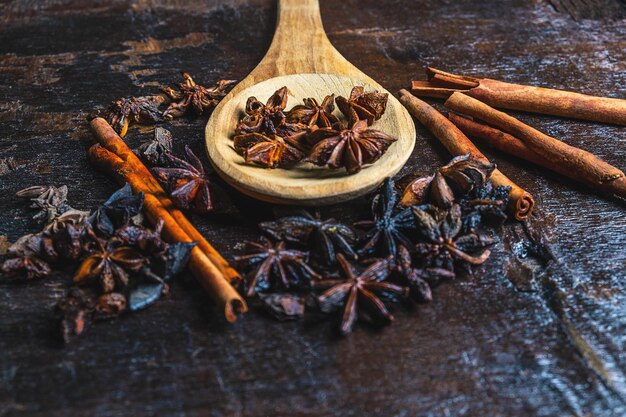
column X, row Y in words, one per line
column 194, row 98
column 141, row 110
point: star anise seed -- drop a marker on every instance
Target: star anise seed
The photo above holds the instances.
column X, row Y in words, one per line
column 194, row 98
column 368, row 106
column 274, row 266
column 349, row 148
column 358, row 293
column 187, row 181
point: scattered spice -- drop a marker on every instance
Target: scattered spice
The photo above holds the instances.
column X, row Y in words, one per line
column 271, row 137
column 194, row 98
column 154, row 151
column 363, row 105
column 141, row 110
column 187, row 181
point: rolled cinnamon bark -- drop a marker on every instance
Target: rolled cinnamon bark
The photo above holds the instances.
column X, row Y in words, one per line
column 510, row 144
column 574, row 162
column 203, row 269
column 522, row 97
column 521, row 202
column 108, row 138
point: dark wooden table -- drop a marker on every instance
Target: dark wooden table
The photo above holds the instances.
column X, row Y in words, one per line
column 525, row 335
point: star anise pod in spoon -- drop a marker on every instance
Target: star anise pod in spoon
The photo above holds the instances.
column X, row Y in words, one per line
column 389, row 225
column 446, row 244
column 311, row 113
column 272, row 265
column 264, row 118
column 327, row 237
column 187, row 181
column 194, row 98
column 350, row 148
column 142, row 110
column 270, row 151
column 455, row 179
column 360, row 105
column 111, row 263
column 359, row 293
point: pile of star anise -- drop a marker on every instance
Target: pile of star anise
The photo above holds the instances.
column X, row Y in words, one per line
column 188, row 97
column 272, row 137
column 119, row 265
column 443, row 224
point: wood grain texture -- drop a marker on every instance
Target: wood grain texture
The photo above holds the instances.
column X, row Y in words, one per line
column 524, row 336
column 302, row 58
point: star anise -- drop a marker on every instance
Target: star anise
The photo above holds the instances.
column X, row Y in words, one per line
column 269, row 152
column 485, row 205
column 194, row 97
column 418, row 279
column 311, row 113
column 26, row 267
column 387, row 229
column 142, row 110
column 264, row 118
column 117, row 211
column 457, row 178
column 272, row 265
column 326, row 236
column 445, row 242
column 111, row 263
column 49, row 200
column 358, row 293
column 154, row 151
column 349, row 148
column 187, row 181
column 368, row 106
column 65, row 243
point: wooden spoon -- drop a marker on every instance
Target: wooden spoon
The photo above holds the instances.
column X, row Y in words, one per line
column 302, row 58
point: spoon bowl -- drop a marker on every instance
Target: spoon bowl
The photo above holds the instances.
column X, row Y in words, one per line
column 316, row 72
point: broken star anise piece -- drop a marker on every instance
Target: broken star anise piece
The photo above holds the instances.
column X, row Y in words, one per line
column 311, row 113
column 326, row 236
column 194, row 97
column 264, row 118
column 349, row 148
column 358, row 293
column 455, row 179
column 25, row 267
column 154, row 151
column 77, row 313
column 142, row 110
column 269, row 152
column 187, row 181
column 117, row 211
column 368, row 106
column 485, row 205
column 272, row 265
column 387, row 229
column 418, row 280
column 49, row 200
column 446, row 245
column 111, row 263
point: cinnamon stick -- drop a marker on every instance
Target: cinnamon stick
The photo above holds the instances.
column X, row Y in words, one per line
column 510, row 144
column 108, row 138
column 521, row 202
column 203, row 269
column 526, row 98
column 575, row 162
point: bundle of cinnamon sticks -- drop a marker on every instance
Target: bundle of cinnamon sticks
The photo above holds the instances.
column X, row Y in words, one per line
column 469, row 99
column 112, row 155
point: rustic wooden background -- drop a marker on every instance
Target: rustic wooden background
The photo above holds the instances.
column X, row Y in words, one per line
column 529, row 334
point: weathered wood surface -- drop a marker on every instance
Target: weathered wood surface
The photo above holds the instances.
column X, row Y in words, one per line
column 527, row 335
